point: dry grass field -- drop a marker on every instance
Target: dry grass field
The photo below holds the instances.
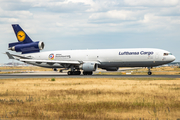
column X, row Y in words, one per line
column 19, row 69
column 90, row 98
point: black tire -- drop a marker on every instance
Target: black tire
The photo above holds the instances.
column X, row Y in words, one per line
column 90, row 73
column 69, row 73
column 87, row 73
column 74, row 73
column 84, row 73
column 149, row 73
column 77, row 72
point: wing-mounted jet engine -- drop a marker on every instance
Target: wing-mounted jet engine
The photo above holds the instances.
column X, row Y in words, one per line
column 88, row 68
column 24, row 44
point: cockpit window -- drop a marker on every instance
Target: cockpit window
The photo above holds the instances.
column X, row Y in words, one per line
column 166, row 54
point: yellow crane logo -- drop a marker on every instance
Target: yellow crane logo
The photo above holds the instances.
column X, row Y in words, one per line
column 21, row 36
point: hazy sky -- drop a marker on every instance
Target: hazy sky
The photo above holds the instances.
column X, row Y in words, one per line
column 93, row 24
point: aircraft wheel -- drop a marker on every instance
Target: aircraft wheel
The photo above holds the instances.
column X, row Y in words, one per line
column 87, row 73
column 149, row 73
column 77, row 72
column 84, row 73
column 69, row 73
column 90, row 73
column 74, row 72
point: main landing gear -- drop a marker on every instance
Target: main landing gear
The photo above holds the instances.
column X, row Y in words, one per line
column 74, row 73
column 149, row 71
column 79, row 73
column 87, row 73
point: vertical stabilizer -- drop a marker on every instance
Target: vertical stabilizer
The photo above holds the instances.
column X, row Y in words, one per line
column 21, row 34
column 24, row 44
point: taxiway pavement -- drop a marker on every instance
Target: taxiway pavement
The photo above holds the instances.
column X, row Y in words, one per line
column 55, row 74
column 64, row 75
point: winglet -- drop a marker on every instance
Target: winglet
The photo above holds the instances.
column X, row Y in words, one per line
column 9, row 55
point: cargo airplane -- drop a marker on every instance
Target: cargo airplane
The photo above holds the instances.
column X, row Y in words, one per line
column 86, row 60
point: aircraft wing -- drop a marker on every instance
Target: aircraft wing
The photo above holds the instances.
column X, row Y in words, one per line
column 56, row 61
column 26, row 59
column 51, row 61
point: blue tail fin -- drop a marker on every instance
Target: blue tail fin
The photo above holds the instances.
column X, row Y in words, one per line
column 21, row 34
column 24, row 44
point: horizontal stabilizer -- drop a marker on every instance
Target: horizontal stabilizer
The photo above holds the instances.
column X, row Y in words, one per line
column 9, row 55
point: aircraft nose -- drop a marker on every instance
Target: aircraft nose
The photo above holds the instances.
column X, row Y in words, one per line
column 173, row 58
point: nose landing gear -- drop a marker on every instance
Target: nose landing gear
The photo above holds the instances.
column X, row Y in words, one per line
column 149, row 71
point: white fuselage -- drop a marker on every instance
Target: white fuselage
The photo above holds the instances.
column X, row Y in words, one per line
column 137, row 57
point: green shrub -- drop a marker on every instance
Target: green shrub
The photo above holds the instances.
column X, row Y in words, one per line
column 52, row 79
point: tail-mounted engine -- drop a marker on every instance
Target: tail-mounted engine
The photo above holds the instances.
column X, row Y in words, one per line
column 26, row 47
